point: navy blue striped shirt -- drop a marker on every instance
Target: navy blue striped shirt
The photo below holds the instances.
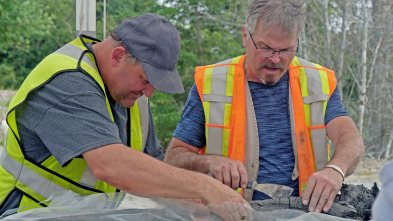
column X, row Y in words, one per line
column 276, row 158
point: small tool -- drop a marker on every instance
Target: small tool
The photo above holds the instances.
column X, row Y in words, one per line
column 272, row 190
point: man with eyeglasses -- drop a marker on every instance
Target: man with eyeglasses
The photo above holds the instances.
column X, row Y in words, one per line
column 265, row 116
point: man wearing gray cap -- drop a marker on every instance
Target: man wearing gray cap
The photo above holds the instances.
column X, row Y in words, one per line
column 79, row 111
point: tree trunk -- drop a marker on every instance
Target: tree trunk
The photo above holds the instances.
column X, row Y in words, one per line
column 388, row 146
column 340, row 59
column 198, row 35
column 327, row 33
column 363, row 77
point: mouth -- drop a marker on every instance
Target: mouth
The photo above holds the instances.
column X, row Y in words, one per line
column 271, row 68
column 137, row 93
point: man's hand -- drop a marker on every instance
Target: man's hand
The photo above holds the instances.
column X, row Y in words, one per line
column 232, row 211
column 322, row 188
column 225, row 202
column 229, row 172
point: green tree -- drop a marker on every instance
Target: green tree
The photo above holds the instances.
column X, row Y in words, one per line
column 30, row 30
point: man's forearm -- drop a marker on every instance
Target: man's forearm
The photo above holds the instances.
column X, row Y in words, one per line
column 184, row 158
column 349, row 145
column 130, row 170
column 348, row 154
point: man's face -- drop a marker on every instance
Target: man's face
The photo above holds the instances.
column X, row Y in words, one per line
column 128, row 82
column 263, row 64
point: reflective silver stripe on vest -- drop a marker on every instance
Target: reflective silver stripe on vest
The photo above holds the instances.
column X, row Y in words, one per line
column 28, row 177
column 217, row 99
column 144, row 112
column 316, row 98
column 75, row 52
column 88, row 179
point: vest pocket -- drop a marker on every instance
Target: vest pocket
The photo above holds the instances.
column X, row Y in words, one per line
column 217, row 141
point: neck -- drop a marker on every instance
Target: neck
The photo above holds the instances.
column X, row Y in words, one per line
column 102, row 53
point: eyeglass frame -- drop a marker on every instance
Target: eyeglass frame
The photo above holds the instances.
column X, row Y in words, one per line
column 272, row 50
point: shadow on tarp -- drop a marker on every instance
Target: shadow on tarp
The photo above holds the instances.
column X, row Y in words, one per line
column 124, row 206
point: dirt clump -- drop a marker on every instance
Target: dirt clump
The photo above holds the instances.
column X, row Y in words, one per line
column 354, row 202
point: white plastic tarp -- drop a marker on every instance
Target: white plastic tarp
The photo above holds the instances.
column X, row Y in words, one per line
column 125, row 206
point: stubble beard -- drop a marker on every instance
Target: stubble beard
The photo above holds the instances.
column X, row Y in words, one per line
column 269, row 79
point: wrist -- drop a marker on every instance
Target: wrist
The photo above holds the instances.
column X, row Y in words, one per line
column 336, row 168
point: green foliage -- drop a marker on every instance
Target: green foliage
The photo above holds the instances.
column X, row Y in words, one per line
column 30, row 30
column 117, row 10
column 210, row 32
column 7, row 76
column 166, row 112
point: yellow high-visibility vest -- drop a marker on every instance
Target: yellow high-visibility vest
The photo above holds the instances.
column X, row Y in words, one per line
column 38, row 182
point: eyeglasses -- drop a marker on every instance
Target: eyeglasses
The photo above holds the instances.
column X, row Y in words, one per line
column 268, row 52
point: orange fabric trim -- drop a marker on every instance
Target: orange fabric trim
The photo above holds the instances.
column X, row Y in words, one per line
column 203, row 150
column 304, row 151
column 220, row 126
column 238, row 114
column 316, row 127
column 199, row 80
column 332, row 81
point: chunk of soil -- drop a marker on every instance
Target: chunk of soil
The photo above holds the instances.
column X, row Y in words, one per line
column 354, row 202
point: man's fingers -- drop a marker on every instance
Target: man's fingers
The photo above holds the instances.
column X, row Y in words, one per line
column 235, row 175
column 218, row 176
column 230, row 172
column 323, row 198
column 227, row 180
column 232, row 211
column 316, row 192
column 330, row 201
column 243, row 176
column 308, row 191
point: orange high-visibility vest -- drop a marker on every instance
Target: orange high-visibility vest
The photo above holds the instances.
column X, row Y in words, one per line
column 230, row 117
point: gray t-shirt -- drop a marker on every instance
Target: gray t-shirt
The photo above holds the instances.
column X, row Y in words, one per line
column 67, row 117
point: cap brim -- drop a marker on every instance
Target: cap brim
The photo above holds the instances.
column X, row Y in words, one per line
column 166, row 81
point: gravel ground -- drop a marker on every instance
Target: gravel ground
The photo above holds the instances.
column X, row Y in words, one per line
column 367, row 171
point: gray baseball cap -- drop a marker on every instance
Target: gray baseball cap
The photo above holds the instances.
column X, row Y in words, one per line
column 155, row 42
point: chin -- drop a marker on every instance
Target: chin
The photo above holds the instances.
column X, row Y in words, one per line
column 127, row 104
column 269, row 79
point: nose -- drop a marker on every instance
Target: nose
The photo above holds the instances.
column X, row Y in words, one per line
column 148, row 90
column 275, row 58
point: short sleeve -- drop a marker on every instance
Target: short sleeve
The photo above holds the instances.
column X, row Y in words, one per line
column 191, row 127
column 68, row 117
column 335, row 107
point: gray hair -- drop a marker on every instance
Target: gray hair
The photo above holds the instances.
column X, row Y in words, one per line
column 131, row 57
column 287, row 14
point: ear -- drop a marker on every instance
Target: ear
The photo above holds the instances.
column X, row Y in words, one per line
column 244, row 35
column 117, row 54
